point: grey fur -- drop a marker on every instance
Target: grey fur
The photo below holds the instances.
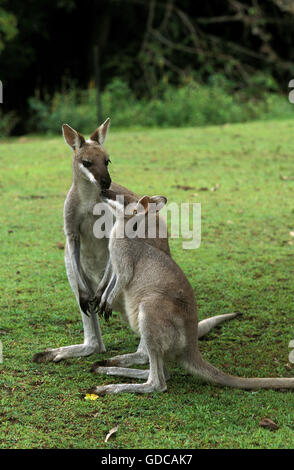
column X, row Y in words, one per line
column 161, row 308
column 85, row 255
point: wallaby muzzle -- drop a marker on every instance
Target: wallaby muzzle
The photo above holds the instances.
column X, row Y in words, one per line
column 105, row 182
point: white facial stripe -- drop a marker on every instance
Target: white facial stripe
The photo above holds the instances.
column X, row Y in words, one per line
column 87, row 173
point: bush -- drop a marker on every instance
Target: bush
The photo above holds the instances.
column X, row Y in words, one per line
column 191, row 104
column 8, row 122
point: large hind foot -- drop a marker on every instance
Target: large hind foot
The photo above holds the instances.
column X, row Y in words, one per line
column 124, row 360
column 77, row 350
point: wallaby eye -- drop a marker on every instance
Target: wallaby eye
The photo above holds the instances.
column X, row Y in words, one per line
column 135, row 211
column 107, row 162
column 86, row 163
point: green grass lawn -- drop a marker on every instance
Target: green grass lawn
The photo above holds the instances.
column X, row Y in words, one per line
column 245, row 263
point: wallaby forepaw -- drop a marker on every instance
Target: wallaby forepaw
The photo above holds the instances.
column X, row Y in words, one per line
column 105, row 310
column 84, row 304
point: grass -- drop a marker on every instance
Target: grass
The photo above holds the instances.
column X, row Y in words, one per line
column 245, row 263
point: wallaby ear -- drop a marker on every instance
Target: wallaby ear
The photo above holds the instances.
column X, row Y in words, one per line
column 100, row 134
column 73, row 138
column 160, row 202
column 143, row 205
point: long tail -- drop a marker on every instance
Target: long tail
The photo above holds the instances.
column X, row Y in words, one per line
column 204, row 326
column 209, row 373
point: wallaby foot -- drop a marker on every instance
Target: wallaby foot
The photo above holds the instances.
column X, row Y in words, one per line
column 124, row 360
column 147, row 387
column 127, row 372
column 156, row 375
column 123, row 372
column 77, row 350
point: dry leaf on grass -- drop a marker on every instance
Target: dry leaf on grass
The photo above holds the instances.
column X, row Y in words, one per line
column 111, row 432
column 286, row 178
column 185, row 188
column 268, row 424
column 215, row 188
column 291, row 233
column 60, row 245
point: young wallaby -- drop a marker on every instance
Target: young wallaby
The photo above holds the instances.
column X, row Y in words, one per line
column 85, row 255
column 160, row 307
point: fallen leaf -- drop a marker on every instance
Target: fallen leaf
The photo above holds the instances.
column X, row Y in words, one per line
column 286, row 178
column 291, row 233
column 203, row 189
column 230, row 222
column 111, row 432
column 185, row 188
column 267, row 423
column 60, row 245
column 215, row 187
column 91, row 396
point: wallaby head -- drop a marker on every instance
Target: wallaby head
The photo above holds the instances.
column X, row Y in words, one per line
column 140, row 209
column 90, row 159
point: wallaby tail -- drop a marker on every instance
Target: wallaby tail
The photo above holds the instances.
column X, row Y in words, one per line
column 204, row 326
column 206, row 371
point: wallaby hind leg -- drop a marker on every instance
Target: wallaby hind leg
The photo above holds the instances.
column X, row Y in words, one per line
column 124, row 372
column 156, row 380
column 127, row 372
column 125, row 360
column 205, row 326
column 156, row 377
column 93, row 342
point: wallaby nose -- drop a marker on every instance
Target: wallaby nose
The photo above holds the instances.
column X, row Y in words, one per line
column 105, row 182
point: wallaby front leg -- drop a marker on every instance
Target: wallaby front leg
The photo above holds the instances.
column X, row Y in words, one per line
column 113, row 289
column 85, row 292
column 115, row 286
column 102, row 286
column 104, row 280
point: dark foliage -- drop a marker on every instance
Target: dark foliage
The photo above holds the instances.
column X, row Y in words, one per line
column 143, row 42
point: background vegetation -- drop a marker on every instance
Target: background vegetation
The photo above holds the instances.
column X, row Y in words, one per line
column 161, row 62
column 244, row 263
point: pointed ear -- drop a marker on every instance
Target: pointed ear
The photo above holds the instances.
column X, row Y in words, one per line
column 160, row 202
column 100, row 134
column 73, row 138
column 143, row 205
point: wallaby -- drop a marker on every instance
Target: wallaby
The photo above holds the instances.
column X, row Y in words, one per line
column 160, row 307
column 85, row 255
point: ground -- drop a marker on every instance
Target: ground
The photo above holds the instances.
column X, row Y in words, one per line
column 245, row 263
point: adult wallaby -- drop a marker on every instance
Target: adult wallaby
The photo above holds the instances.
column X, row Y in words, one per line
column 160, row 307
column 85, row 255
